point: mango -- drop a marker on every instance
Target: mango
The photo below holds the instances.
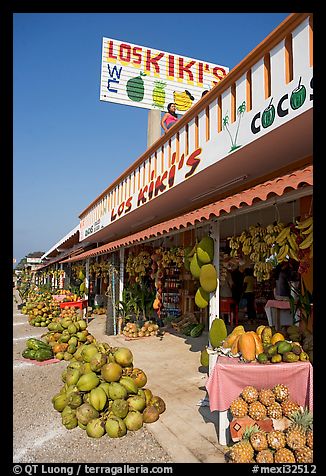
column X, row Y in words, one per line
column 284, row 346
column 276, row 358
column 290, row 357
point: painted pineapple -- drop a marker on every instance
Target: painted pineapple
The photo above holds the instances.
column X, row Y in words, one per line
column 281, row 392
column 276, row 439
column 266, row 396
column 257, row 410
column 289, row 407
column 239, row 408
column 296, row 434
column 159, row 94
column 258, row 439
column 243, row 452
column 284, row 455
column 249, row 394
column 265, row 456
column 275, row 411
column 304, row 455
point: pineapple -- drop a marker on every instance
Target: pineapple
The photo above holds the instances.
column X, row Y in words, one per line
column 265, row 456
column 296, row 434
column 310, row 439
column 257, row 410
column 275, row 411
column 304, row 455
column 276, row 439
column 289, row 407
column 249, row 394
column 242, row 452
column 284, row 455
column 281, row 392
column 239, row 408
column 266, row 396
column 258, row 439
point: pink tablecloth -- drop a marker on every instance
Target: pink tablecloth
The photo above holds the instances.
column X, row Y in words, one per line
column 229, row 376
column 278, row 304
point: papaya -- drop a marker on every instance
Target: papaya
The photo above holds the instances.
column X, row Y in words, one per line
column 258, row 343
column 217, row 332
column 231, row 337
column 235, row 345
column 247, row 346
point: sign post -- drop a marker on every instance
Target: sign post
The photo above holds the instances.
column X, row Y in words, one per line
column 154, row 126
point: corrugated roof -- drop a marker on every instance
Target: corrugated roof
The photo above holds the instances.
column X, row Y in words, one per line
column 261, row 192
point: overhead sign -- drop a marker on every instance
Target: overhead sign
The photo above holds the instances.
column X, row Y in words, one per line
column 144, row 77
column 34, row 260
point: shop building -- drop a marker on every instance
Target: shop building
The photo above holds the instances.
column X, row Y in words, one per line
column 241, row 157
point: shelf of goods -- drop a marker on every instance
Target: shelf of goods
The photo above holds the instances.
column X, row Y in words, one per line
column 170, row 294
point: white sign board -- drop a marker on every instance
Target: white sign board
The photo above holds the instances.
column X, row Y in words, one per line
column 144, row 77
column 34, row 260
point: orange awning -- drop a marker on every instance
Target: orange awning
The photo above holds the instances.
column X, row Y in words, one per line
column 278, row 186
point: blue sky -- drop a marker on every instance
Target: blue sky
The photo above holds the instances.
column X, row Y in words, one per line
column 68, row 145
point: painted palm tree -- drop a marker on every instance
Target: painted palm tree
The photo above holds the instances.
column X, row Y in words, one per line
column 240, row 111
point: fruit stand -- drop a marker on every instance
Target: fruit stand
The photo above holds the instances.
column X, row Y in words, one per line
column 226, row 381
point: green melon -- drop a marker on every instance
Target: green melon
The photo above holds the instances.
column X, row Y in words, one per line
column 217, row 332
column 205, row 250
column 195, row 266
column 201, row 298
column 208, row 277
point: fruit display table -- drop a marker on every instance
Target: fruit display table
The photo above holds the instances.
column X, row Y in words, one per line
column 229, row 376
column 82, row 304
column 281, row 310
column 58, row 297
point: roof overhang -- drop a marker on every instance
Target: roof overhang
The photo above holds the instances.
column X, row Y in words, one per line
column 283, row 185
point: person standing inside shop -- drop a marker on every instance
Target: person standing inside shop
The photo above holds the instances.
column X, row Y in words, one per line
column 237, row 287
column 249, row 294
column 170, row 117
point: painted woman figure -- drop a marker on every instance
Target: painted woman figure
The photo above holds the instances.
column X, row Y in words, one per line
column 169, row 117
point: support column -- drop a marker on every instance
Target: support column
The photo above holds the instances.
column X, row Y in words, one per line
column 86, row 286
column 121, row 272
column 154, row 126
column 214, row 302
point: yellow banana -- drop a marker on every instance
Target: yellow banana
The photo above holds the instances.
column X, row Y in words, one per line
column 306, row 231
column 282, row 253
column 307, row 242
column 283, row 235
column 293, row 254
column 304, row 223
column 292, row 241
